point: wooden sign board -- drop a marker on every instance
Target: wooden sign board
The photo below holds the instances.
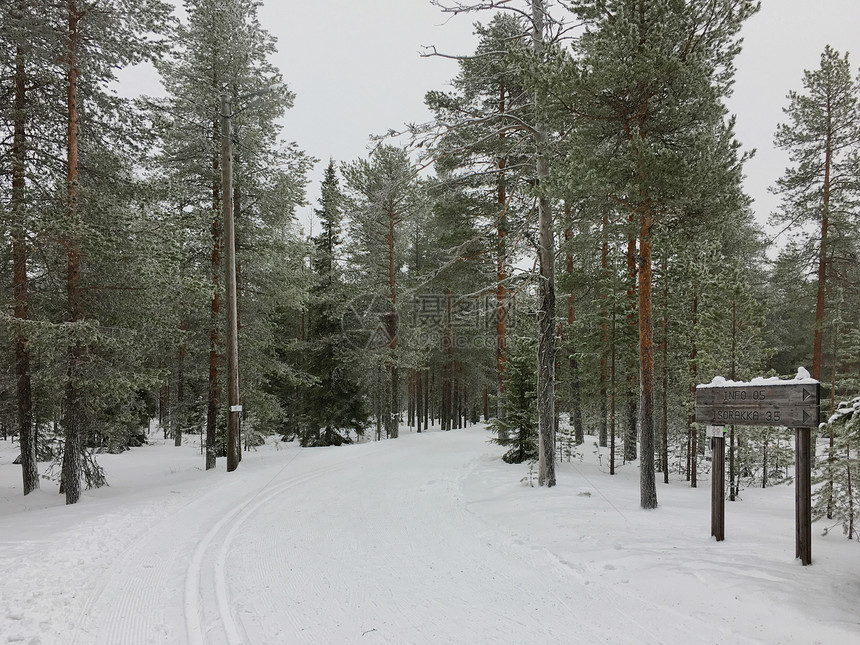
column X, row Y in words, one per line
column 793, row 405
column 753, row 395
column 790, row 404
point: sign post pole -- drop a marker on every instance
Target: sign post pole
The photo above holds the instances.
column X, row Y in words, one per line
column 803, row 494
column 792, row 404
column 718, row 482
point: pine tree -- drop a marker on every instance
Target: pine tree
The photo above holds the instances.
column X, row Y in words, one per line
column 28, row 42
column 479, row 143
column 98, row 40
column 543, row 31
column 647, row 93
column 223, row 49
column 383, row 195
column 822, row 138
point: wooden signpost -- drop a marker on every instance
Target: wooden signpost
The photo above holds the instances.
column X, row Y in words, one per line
column 792, row 404
column 718, row 482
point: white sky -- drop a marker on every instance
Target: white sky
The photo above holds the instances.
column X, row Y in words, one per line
column 785, row 38
column 356, row 70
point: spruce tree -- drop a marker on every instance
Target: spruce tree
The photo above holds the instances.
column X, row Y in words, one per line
column 838, row 496
column 518, row 430
column 335, row 401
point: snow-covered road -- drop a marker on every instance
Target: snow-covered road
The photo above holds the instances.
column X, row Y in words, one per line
column 428, row 539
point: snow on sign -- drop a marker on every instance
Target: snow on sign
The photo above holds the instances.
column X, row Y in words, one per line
column 791, row 404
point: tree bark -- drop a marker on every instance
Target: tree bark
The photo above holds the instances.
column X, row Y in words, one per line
column 501, row 294
column 214, row 387
column 647, row 484
column 821, row 295
column 546, row 256
column 612, row 396
column 692, row 476
column 180, row 414
column 392, row 425
column 26, row 438
column 630, row 450
column 575, row 394
column 427, row 386
column 664, row 394
column 604, row 339
column 73, row 399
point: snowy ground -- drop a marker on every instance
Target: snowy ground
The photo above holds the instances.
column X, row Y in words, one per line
column 427, row 539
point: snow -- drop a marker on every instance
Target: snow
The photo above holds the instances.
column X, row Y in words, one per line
column 802, row 378
column 429, row 538
column 845, row 409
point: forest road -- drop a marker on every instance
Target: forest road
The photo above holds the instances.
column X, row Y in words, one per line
column 371, row 543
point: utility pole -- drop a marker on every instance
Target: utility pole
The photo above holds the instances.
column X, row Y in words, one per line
column 232, row 313
column 235, row 408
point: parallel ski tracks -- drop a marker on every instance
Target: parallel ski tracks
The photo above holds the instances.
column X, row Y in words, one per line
column 224, row 626
column 141, row 586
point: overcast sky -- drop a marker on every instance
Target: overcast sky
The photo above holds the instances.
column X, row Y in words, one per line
column 356, row 68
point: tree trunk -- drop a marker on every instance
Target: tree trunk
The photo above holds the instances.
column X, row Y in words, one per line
column 604, row 343
column 73, row 402
column 630, row 450
column 180, row 414
column 831, row 456
column 501, row 283
column 546, row 255
column 612, row 397
column 164, row 407
column 419, row 398
column 820, row 299
column 410, row 398
column 447, row 368
column 392, row 428
column 647, row 484
column 26, row 438
column 458, row 399
column 427, row 386
column 575, row 394
column 214, row 389
column 694, row 376
column 664, row 348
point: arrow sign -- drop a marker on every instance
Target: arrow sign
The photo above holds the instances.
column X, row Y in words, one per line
column 792, row 405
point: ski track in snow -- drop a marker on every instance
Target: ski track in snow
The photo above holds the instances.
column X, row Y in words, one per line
column 425, row 540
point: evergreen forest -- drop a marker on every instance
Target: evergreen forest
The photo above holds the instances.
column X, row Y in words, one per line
column 564, row 251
